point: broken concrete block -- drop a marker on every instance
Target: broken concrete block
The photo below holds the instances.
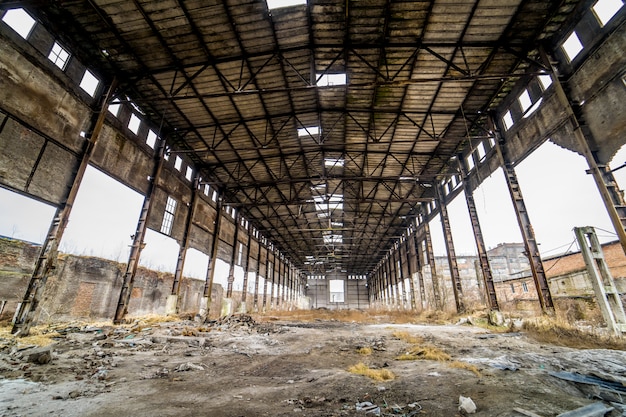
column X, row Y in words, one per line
column 39, row 356
column 496, row 318
column 592, row 410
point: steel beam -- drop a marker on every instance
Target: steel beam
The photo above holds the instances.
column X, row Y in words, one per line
column 523, row 220
column 457, row 286
column 47, row 258
column 490, row 288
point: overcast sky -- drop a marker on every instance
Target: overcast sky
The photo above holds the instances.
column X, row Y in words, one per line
column 559, row 196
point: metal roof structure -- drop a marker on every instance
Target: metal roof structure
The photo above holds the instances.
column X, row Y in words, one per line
column 326, row 124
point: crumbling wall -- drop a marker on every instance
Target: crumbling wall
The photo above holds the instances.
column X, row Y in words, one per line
column 89, row 287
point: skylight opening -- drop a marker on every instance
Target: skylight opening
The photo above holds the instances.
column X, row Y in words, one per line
column 606, row 9
column 279, row 4
column 572, row 46
column 151, row 139
column 59, row 56
column 20, row 21
column 134, row 123
column 89, row 83
column 309, row 131
column 333, row 162
column 545, row 81
column 507, row 120
column 525, row 101
column 330, row 80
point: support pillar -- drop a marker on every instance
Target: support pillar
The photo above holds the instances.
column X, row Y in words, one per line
column 258, row 276
column 246, row 271
column 233, row 257
column 490, row 288
column 267, row 276
column 205, row 303
column 46, row 262
column 411, row 273
column 172, row 306
column 523, row 220
column 138, row 238
column 272, row 300
column 280, row 282
column 454, row 268
column 389, row 283
column 398, row 265
column 433, row 265
column 419, row 265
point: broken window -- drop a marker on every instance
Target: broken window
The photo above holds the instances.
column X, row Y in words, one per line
column 313, row 131
column 329, row 80
column 20, row 21
column 525, row 101
column 545, row 80
column 168, row 216
column 604, row 10
column 507, row 120
column 151, row 139
column 572, row 46
column 59, row 56
column 114, row 108
column 89, row 83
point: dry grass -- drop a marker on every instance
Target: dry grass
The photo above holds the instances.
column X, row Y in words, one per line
column 365, row 351
column 558, row 331
column 375, row 374
column 407, row 337
column 39, row 336
column 428, row 353
column 465, row 365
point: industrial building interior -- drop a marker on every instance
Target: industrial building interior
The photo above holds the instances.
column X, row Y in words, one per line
column 303, row 149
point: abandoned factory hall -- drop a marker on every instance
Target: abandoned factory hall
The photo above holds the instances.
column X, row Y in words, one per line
column 312, row 207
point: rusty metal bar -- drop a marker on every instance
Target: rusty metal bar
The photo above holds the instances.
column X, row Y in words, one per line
column 233, row 257
column 182, row 252
column 48, row 255
column 433, row 264
column 457, row 287
column 490, row 288
column 523, row 220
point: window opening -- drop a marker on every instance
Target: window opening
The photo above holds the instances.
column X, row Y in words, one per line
column 240, row 256
column 572, row 46
column 513, row 288
column 134, row 123
column 507, row 120
column 309, row 131
column 189, row 173
column 114, row 108
column 151, row 139
column 545, row 80
column 178, row 163
column 481, row 150
column 333, row 162
column 524, row 286
column 470, row 162
column 606, row 9
column 89, row 83
column 336, row 290
column 525, row 101
column 168, row 216
column 20, row 21
column 59, row 56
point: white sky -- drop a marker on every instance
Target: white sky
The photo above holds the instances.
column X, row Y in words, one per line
column 559, row 196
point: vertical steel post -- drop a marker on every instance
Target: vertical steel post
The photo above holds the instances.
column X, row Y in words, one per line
column 612, row 196
column 523, row 220
column 138, row 238
column 184, row 245
column 210, row 275
column 419, row 265
column 433, row 265
column 454, row 268
column 490, row 288
column 258, row 274
column 267, row 276
column 246, row 270
column 233, row 257
column 407, row 252
column 398, row 265
column 272, row 300
column 48, row 255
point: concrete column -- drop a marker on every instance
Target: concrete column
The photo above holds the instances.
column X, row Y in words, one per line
column 523, row 220
column 267, row 276
column 454, row 268
column 172, row 306
column 490, row 288
column 407, row 253
column 46, row 261
column 258, row 275
column 246, row 271
column 272, row 300
column 419, row 264
column 280, row 281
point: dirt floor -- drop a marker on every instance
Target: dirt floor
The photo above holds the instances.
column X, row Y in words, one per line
column 274, row 366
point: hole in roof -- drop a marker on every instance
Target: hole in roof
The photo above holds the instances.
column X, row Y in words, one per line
column 329, row 80
column 606, row 9
column 89, row 83
column 20, row 21
column 308, row 131
column 333, row 162
column 279, row 4
column 572, row 46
